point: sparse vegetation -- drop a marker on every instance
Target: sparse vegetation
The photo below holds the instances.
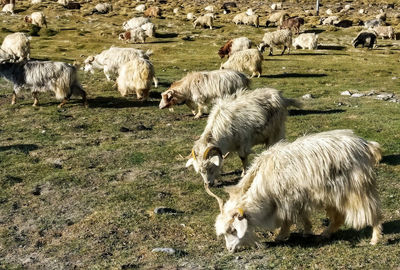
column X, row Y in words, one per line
column 78, row 185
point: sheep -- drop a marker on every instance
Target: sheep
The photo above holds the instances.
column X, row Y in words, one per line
column 204, row 21
column 110, row 60
column 136, row 35
column 331, row 170
column 36, row 18
column 41, row 76
column 249, row 59
column 234, row 45
column 8, row 8
column 276, row 18
column 197, row 89
column 239, row 18
column 277, row 38
column 136, row 75
column 236, row 124
column 252, row 20
column 102, row 8
column 134, row 23
column 18, row 45
column 292, row 23
column 152, row 12
column 365, row 38
column 140, row 8
column 385, row 31
column 306, row 41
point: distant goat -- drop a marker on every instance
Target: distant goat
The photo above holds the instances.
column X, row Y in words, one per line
column 249, row 59
column 18, row 45
column 365, row 38
column 293, row 23
column 275, row 39
column 36, row 18
column 234, row 45
column 331, row 170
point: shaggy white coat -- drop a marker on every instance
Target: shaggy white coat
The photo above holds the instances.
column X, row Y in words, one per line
column 197, row 89
column 136, row 76
column 237, row 123
column 330, row 170
column 252, row 20
column 277, row 18
column 110, row 60
column 137, row 36
column 306, row 41
column 8, row 8
column 18, row 45
column 249, row 59
column 37, row 18
column 385, row 32
column 135, row 23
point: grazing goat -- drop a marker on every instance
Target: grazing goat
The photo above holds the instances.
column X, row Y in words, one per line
column 234, row 45
column 330, row 170
column 237, row 123
column 41, row 76
column 249, row 59
column 136, row 75
column 293, row 23
column 135, row 23
column 110, row 60
column 136, row 35
column 154, row 12
column 204, row 20
column 197, row 89
column 306, row 41
column 36, row 18
column 239, row 18
column 275, row 39
column 365, row 38
column 385, row 32
column 17, row 45
column 252, row 20
column 276, row 18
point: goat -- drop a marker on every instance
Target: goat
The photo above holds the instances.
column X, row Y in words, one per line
column 18, row 45
column 41, row 76
column 36, row 18
column 277, row 38
column 365, row 38
column 197, row 89
column 237, row 123
column 331, row 170
column 249, row 59
column 234, row 45
column 292, row 23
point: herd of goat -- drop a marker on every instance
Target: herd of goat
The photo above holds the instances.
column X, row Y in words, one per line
column 333, row 170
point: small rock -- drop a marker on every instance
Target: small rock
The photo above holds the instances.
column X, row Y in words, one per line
column 385, row 96
column 125, row 129
column 308, row 96
column 345, row 93
column 170, row 251
column 394, row 78
column 361, row 11
column 43, row 131
column 143, row 127
column 164, row 210
column 371, row 93
column 357, row 95
column 37, row 191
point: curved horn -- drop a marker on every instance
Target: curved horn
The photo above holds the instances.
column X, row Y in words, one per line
column 193, row 154
column 220, row 201
column 205, row 155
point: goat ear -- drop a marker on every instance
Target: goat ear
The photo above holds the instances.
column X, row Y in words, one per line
column 215, row 160
column 189, row 162
column 170, row 94
column 240, row 224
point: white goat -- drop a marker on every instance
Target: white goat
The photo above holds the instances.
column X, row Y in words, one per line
column 237, row 123
column 135, row 23
column 385, row 32
column 136, row 75
column 249, row 59
column 234, row 45
column 36, row 18
column 197, row 89
column 277, row 18
column 136, row 35
column 239, row 18
column 18, row 45
column 204, row 20
column 330, row 170
column 306, row 41
column 275, row 39
column 149, row 29
column 252, row 20
column 8, row 8
column 110, row 60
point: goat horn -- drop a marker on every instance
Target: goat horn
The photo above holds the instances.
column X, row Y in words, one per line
column 205, row 155
column 220, row 201
column 193, row 155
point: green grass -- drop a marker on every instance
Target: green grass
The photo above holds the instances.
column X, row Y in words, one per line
column 77, row 191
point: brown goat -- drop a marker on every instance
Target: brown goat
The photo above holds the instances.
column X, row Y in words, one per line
column 226, row 49
column 292, row 23
column 152, row 12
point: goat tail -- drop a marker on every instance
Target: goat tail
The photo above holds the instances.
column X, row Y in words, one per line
column 375, row 150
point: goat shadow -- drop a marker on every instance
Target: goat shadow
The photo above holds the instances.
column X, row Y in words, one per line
column 391, row 160
column 295, row 75
column 350, row 235
column 307, row 54
column 331, row 47
column 316, row 31
column 307, row 112
column 24, row 148
column 166, row 35
column 120, row 102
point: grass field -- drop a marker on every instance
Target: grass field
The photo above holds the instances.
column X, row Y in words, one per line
column 78, row 185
